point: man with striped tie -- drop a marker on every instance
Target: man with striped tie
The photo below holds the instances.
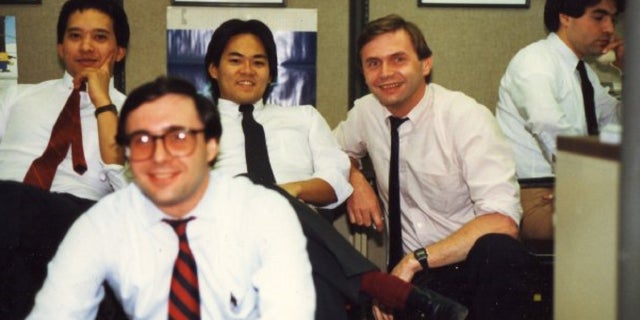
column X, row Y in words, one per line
column 181, row 241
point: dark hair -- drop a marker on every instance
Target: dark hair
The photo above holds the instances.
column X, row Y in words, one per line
column 228, row 30
column 392, row 23
column 207, row 111
column 572, row 8
column 108, row 7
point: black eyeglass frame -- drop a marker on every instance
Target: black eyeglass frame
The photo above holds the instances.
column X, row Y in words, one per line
column 126, row 141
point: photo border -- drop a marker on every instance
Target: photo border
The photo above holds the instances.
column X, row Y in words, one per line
column 230, row 3
column 20, row 2
column 483, row 3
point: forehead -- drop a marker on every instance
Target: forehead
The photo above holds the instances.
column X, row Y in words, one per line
column 246, row 44
column 604, row 6
column 161, row 113
column 388, row 43
column 90, row 19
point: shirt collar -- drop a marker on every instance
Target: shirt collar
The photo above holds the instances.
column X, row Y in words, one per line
column 417, row 111
column 230, row 108
column 67, row 80
column 565, row 53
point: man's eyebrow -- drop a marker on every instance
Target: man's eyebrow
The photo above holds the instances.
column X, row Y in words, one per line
column 603, row 11
column 98, row 30
column 257, row 56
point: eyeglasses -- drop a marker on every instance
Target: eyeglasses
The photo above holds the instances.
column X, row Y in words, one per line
column 177, row 141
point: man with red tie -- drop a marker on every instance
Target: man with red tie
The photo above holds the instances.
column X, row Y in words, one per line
column 58, row 153
column 181, row 242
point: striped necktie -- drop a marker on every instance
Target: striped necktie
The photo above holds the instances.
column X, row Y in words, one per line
column 184, row 297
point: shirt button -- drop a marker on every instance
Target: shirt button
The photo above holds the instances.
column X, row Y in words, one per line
column 103, row 177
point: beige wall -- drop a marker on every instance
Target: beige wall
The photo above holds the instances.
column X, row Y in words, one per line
column 471, row 46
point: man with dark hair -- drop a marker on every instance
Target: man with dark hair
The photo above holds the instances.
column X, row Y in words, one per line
column 446, row 177
column 181, row 242
column 58, row 153
column 548, row 90
column 299, row 153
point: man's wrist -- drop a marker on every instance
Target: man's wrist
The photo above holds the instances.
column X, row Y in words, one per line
column 422, row 256
column 107, row 108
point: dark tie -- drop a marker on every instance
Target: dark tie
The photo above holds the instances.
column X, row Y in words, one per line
column 255, row 148
column 66, row 132
column 395, row 228
column 587, row 97
column 184, row 297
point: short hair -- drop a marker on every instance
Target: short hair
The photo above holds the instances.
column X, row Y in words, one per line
column 392, row 23
column 223, row 34
column 572, row 8
column 108, row 7
column 207, row 111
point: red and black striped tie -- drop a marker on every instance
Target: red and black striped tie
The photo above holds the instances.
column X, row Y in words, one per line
column 184, row 297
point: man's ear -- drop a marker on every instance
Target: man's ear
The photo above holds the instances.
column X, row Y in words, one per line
column 564, row 20
column 120, row 54
column 213, row 71
column 60, row 51
column 427, row 63
column 212, row 149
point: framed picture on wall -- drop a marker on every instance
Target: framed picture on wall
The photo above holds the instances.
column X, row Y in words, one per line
column 230, row 3
column 474, row 3
column 20, row 1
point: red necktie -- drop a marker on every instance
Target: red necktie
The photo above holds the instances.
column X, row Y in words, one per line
column 66, row 132
column 184, row 297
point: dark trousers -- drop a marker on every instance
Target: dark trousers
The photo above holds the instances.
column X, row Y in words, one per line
column 495, row 282
column 34, row 223
column 336, row 264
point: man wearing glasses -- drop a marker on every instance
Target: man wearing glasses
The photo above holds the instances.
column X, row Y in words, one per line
column 181, row 241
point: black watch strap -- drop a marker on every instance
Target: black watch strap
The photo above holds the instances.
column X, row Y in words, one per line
column 107, row 108
column 422, row 255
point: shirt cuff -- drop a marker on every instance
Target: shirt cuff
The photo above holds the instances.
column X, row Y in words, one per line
column 115, row 175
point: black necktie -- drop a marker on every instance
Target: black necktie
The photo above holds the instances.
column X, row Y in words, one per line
column 395, row 228
column 184, row 295
column 587, row 96
column 255, row 148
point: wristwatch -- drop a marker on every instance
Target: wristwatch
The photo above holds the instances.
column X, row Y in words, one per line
column 421, row 255
column 107, row 108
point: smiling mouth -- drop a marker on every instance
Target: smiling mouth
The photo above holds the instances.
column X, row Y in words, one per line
column 390, row 85
column 245, row 83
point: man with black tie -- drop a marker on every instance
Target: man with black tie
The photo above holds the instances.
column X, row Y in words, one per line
column 548, row 90
column 444, row 172
column 58, row 153
column 294, row 147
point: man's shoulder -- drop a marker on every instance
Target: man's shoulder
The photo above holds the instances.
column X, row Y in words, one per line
column 447, row 100
column 535, row 56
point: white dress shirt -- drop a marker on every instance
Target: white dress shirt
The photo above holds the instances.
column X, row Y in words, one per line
column 454, row 163
column 299, row 141
column 247, row 243
column 540, row 98
column 27, row 116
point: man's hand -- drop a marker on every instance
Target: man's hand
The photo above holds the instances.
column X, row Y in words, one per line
column 363, row 205
column 97, row 80
column 381, row 312
column 617, row 45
